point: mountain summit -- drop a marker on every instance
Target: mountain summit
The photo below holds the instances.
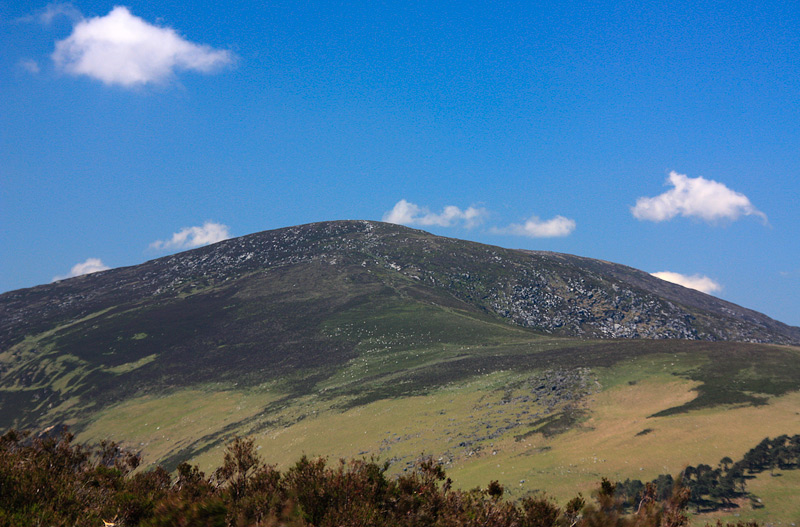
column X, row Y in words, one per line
column 554, row 293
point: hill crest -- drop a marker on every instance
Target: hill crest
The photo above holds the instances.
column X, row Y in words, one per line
column 554, row 293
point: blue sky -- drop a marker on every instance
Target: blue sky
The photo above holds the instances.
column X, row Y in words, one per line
column 664, row 136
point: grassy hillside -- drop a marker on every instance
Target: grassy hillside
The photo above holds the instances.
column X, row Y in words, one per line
column 536, row 415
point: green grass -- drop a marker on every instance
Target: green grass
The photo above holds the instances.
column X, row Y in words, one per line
column 162, row 425
column 130, row 366
column 486, row 425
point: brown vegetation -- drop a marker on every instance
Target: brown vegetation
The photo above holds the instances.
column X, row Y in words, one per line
column 48, row 480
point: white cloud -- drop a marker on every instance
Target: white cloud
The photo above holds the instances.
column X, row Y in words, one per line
column 59, row 9
column 534, row 227
column 51, row 12
column 122, row 49
column 91, row 265
column 698, row 197
column 406, row 213
column 695, row 281
column 191, row 237
column 29, row 65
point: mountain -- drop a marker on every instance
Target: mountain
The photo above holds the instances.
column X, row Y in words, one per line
column 353, row 337
column 551, row 292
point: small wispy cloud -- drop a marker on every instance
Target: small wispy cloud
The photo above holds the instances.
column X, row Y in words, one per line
column 695, row 197
column 406, row 213
column 191, row 237
column 52, row 11
column 91, row 265
column 59, row 9
column 695, row 281
column 122, row 49
column 29, row 65
column 534, row 227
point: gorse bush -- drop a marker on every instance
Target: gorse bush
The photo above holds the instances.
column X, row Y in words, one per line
column 49, row 480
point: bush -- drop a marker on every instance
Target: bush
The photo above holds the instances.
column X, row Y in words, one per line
column 48, row 480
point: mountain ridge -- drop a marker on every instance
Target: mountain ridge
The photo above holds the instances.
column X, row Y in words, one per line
column 542, row 290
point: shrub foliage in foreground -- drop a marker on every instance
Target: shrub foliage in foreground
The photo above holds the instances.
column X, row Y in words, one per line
column 49, row 480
